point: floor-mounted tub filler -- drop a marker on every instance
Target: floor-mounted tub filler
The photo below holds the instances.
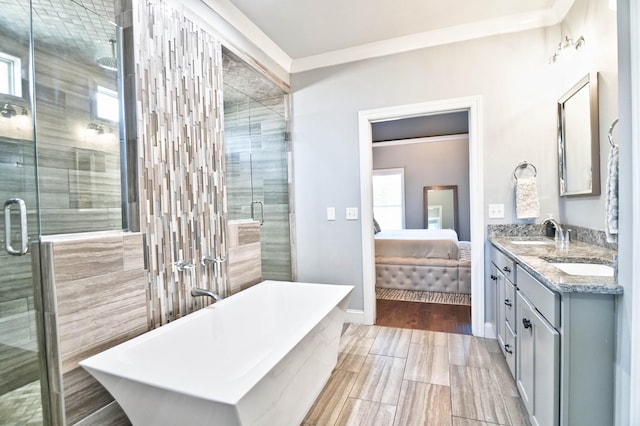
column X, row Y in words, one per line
column 259, row 357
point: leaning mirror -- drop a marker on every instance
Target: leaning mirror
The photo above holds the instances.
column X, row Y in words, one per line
column 578, row 139
column 441, row 207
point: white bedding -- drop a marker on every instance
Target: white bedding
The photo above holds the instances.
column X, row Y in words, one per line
column 418, row 234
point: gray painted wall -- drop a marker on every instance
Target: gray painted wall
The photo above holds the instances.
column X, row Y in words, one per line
column 429, row 164
column 625, row 308
column 597, row 23
column 519, row 91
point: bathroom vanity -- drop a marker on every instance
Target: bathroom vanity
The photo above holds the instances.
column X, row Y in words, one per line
column 557, row 329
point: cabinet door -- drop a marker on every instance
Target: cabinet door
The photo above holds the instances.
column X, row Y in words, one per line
column 500, row 312
column 525, row 354
column 538, row 369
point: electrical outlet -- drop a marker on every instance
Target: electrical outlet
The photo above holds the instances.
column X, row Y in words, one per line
column 331, row 213
column 352, row 213
column 496, row 211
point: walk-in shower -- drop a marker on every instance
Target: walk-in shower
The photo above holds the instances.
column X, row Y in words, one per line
column 59, row 168
column 256, row 157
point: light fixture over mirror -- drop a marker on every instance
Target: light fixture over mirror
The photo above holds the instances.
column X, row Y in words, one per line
column 578, row 139
column 567, row 45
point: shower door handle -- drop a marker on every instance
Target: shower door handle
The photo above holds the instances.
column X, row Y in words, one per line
column 261, row 211
column 24, row 234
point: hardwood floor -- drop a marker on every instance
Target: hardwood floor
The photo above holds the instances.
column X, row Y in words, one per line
column 424, row 316
column 400, row 377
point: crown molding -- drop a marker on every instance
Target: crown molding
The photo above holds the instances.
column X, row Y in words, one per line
column 458, row 33
column 486, row 28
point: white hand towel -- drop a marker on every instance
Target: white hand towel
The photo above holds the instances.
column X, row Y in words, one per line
column 611, row 228
column 527, row 204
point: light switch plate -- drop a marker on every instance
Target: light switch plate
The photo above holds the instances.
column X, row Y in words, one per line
column 496, row 211
column 352, row 213
column 331, row 213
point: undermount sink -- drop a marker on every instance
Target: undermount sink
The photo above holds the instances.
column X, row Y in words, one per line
column 532, row 242
column 587, row 269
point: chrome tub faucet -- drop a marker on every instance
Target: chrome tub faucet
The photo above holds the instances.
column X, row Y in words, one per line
column 197, row 292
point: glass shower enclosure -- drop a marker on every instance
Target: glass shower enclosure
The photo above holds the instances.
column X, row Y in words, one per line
column 256, row 160
column 59, row 168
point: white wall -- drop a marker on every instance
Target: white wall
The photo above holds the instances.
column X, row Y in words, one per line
column 428, row 164
column 519, row 91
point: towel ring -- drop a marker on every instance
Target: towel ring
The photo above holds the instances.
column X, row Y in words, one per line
column 610, row 134
column 524, row 165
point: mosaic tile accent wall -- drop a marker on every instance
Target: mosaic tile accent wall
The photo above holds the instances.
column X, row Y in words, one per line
column 181, row 158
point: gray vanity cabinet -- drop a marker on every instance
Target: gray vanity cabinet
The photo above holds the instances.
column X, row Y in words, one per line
column 560, row 345
column 538, row 364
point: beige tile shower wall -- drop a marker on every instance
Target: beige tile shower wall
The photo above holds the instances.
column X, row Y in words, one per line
column 95, row 298
column 181, row 157
column 245, row 254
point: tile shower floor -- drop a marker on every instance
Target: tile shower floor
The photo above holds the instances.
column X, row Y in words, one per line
column 22, row 406
column 395, row 376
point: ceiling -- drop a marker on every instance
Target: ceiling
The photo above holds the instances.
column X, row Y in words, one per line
column 307, row 34
column 310, row 27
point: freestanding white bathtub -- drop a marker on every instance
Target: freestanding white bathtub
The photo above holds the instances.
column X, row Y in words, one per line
column 259, row 357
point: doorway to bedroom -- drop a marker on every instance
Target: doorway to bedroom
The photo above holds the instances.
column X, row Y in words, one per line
column 451, row 243
column 420, row 183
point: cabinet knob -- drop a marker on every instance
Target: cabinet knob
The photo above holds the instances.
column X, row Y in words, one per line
column 507, row 269
column 493, row 277
column 507, row 348
column 526, row 323
column 508, row 302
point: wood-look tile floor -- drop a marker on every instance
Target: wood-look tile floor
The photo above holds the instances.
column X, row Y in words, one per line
column 401, row 377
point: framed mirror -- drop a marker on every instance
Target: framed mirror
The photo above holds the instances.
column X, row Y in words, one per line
column 441, row 207
column 578, row 139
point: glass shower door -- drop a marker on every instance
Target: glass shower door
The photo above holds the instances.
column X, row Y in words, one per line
column 20, row 372
column 256, row 158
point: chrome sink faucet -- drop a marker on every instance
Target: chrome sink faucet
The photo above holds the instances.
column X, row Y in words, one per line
column 197, row 292
column 559, row 234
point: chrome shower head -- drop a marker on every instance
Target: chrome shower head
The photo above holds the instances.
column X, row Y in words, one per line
column 109, row 63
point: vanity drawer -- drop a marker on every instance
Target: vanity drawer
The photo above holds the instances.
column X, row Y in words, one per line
column 544, row 300
column 510, row 304
column 504, row 264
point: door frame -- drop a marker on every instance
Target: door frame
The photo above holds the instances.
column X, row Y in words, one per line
column 471, row 104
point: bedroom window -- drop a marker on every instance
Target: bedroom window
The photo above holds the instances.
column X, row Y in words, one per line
column 388, row 198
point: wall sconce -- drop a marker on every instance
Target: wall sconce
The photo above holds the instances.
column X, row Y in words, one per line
column 567, row 44
column 11, row 110
column 97, row 127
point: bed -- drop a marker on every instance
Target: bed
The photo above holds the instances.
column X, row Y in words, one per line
column 423, row 259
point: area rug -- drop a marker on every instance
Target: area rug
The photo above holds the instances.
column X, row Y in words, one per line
column 423, row 296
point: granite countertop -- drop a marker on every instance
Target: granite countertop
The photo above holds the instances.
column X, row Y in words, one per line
column 531, row 259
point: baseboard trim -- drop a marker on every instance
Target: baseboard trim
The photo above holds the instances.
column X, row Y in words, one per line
column 355, row 316
column 490, row 331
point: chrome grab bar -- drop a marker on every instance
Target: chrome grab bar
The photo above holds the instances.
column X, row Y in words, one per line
column 24, row 234
column 261, row 211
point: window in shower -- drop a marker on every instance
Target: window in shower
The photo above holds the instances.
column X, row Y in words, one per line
column 107, row 106
column 10, row 75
